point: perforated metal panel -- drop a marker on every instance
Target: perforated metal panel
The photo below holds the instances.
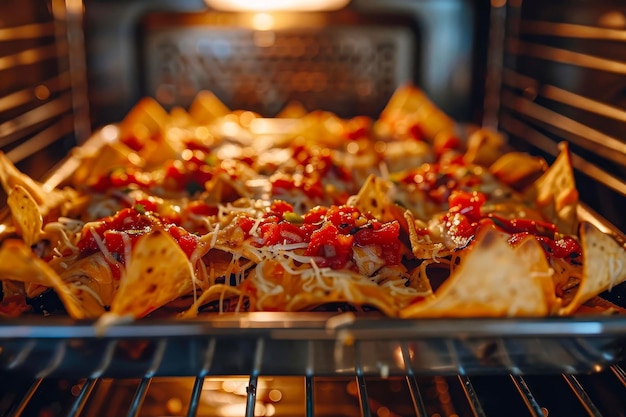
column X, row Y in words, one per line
column 342, row 67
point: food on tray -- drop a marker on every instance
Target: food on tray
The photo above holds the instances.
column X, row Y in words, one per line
column 216, row 210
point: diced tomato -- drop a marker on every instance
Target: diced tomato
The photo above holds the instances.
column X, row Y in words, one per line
column 14, row 305
column 335, row 248
column 358, row 127
column 459, row 225
column 129, row 224
column 468, row 204
column 175, row 174
column 567, row 247
column 201, row 208
column 245, row 223
column 187, row 242
column 114, row 242
column 444, row 142
column 279, row 208
column 270, row 233
column 416, row 132
column 146, row 205
column 132, row 142
column 315, row 215
column 384, row 234
column 343, row 217
column 283, row 183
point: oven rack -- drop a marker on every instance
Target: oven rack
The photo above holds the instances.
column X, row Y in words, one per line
column 459, row 395
column 310, row 344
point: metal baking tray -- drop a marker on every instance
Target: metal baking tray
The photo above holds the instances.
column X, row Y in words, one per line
column 313, row 343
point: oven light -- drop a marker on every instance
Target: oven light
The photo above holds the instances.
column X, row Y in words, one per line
column 263, row 21
column 276, row 5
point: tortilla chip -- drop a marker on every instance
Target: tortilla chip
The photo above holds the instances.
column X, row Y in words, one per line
column 555, row 193
column 413, row 104
column 94, row 273
column 604, row 266
column 146, row 119
column 213, row 293
column 599, row 306
column 285, row 292
column 359, row 295
column 206, row 107
column 293, row 110
column 422, row 245
column 26, row 214
column 10, row 176
column 490, row 282
column 484, row 147
column 373, row 198
column 46, row 197
column 107, row 157
column 518, row 169
column 157, row 273
column 531, row 252
column 19, row 263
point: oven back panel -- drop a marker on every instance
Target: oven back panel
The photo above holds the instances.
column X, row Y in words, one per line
column 348, row 61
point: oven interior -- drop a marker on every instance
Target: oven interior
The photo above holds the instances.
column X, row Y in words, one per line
column 540, row 72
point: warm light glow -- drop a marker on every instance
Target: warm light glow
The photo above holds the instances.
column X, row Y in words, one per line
column 109, row 133
column 274, row 5
column 42, row 92
column 262, row 21
column 275, row 395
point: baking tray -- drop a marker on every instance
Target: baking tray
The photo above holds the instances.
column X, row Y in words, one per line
column 310, row 343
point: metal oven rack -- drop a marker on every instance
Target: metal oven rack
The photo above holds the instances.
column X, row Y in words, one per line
column 421, row 396
column 301, row 364
column 555, row 72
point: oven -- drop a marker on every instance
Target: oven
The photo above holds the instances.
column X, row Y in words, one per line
column 540, row 72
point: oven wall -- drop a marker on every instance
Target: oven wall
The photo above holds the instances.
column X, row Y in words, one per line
column 562, row 79
column 349, row 65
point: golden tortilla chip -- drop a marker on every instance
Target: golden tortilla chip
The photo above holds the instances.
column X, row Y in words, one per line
column 276, row 289
column 93, row 273
column 490, row 282
column 46, row 197
column 518, row 169
column 26, row 214
column 146, row 119
column 373, row 198
column 484, row 147
column 422, row 245
column 555, row 193
column 413, row 104
column 101, row 161
column 213, row 293
column 10, row 176
column 293, row 110
column 604, row 266
column 19, row 263
column 531, row 252
column 206, row 107
column 157, row 273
